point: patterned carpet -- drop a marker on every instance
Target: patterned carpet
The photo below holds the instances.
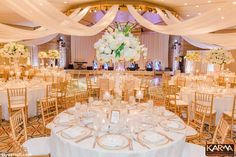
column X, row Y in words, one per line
column 35, row 129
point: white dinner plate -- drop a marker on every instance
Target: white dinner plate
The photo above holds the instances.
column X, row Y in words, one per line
column 152, row 138
column 172, row 124
column 76, row 132
column 113, row 141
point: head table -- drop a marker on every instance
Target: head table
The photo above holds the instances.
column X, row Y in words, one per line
column 118, row 130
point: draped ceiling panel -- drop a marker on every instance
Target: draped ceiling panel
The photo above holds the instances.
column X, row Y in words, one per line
column 196, row 30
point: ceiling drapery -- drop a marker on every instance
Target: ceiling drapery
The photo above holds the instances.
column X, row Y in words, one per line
column 43, row 13
column 208, row 22
column 205, row 41
column 52, row 21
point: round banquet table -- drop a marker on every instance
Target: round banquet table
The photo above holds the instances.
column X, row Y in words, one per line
column 34, row 92
column 62, row 146
column 223, row 99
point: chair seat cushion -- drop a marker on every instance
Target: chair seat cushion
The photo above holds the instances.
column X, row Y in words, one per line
column 190, row 131
column 37, row 146
column 179, row 103
column 193, row 150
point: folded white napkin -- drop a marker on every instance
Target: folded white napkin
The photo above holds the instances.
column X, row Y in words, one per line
column 75, row 132
column 112, row 141
column 152, row 137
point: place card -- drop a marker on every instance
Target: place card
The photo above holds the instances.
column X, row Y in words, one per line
column 115, row 116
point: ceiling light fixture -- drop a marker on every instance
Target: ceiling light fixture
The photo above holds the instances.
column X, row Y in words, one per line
column 234, row 2
column 41, row 4
column 197, row 6
column 209, row 1
column 199, row 13
column 65, row 2
column 185, row 3
column 188, row 15
column 219, row 9
column 222, row 17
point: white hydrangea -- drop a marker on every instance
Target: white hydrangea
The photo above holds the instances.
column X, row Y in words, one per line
column 111, row 41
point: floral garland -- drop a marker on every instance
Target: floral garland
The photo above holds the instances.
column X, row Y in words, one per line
column 42, row 54
column 219, row 57
column 193, row 56
column 14, row 50
column 119, row 45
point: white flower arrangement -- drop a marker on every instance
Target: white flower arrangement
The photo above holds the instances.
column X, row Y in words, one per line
column 53, row 54
column 42, row 54
column 193, row 56
column 14, row 50
column 119, row 45
column 219, row 57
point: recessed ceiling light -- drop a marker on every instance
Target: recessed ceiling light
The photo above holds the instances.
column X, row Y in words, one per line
column 209, row 1
column 185, row 3
column 234, row 2
column 40, row 4
column 199, row 13
column 197, row 6
column 65, row 2
column 222, row 17
column 187, row 15
column 219, row 9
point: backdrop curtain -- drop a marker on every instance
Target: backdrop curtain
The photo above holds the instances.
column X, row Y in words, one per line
column 82, row 48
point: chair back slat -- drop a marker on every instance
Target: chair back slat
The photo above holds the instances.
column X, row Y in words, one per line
column 221, row 131
column 18, row 126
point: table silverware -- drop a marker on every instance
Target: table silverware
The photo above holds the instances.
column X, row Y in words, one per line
column 95, row 141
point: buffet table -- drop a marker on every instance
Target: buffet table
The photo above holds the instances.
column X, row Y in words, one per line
column 141, row 132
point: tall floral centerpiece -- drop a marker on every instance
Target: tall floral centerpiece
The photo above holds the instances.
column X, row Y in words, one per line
column 193, row 57
column 219, row 57
column 42, row 55
column 119, row 45
column 53, row 55
column 14, row 51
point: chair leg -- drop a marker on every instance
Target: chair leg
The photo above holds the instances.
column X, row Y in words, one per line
column 0, row 114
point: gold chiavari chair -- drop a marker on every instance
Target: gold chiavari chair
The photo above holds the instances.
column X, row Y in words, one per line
column 170, row 92
column 70, row 101
column 34, row 146
column 82, row 96
column 207, row 100
column 18, row 149
column 166, row 77
column 49, row 111
column 128, row 89
column 221, row 81
column 92, row 89
column 157, row 95
column 17, row 99
column 144, row 85
column 177, row 105
column 61, row 92
column 181, row 82
column 104, row 86
column 230, row 117
column 221, row 132
column 196, row 124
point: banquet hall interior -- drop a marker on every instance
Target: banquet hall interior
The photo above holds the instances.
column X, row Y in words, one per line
column 117, row 78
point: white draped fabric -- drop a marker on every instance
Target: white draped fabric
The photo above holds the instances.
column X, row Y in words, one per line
column 208, row 22
column 224, row 40
column 82, row 48
column 48, row 16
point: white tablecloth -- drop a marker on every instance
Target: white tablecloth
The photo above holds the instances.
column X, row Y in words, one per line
column 222, row 102
column 61, row 147
column 34, row 93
